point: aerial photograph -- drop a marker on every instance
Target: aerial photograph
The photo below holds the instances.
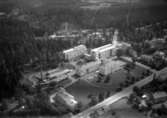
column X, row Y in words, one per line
column 83, row 58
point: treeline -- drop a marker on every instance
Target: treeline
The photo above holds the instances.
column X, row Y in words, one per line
column 49, row 17
column 21, row 52
column 16, row 45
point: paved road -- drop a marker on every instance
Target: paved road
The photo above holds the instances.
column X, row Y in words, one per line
column 32, row 78
column 138, row 64
column 126, row 92
column 83, row 77
column 35, row 81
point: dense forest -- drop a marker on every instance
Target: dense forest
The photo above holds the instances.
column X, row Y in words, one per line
column 15, row 50
column 19, row 52
column 52, row 14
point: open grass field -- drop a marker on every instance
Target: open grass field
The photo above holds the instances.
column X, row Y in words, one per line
column 123, row 110
column 82, row 88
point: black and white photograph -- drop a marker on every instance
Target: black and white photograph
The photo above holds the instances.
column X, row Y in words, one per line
column 83, row 58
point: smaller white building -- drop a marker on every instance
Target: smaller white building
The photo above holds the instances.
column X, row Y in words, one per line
column 59, row 75
column 157, row 42
column 110, row 66
column 75, row 52
column 88, row 67
column 64, row 98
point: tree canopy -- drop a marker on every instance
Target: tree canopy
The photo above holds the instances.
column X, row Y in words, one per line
column 16, row 46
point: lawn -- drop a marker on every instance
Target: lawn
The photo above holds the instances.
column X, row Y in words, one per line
column 123, row 110
column 82, row 88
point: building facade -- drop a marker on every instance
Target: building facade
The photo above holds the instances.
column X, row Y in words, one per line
column 75, row 52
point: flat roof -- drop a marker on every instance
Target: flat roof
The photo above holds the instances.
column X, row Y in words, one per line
column 108, row 48
column 69, row 50
column 102, row 47
column 59, row 73
column 75, row 48
column 68, row 98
